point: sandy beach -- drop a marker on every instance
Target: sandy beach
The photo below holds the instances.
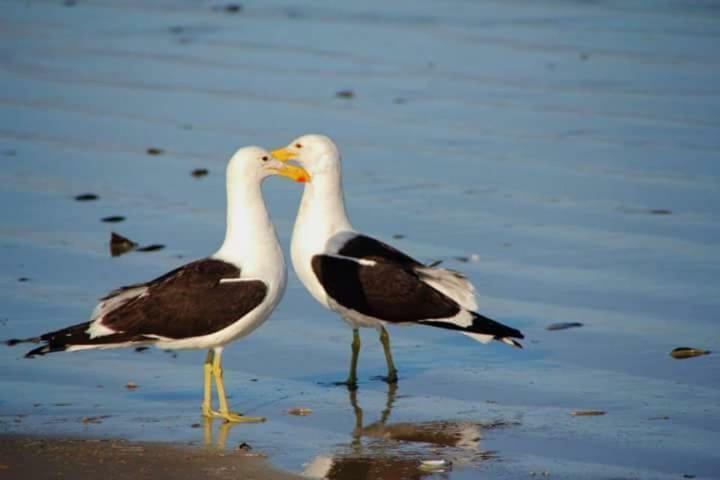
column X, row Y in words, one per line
column 45, row 458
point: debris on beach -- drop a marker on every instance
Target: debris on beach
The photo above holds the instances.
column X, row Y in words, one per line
column 398, row 236
column 199, row 172
column 682, row 353
column 113, row 219
column 23, row 279
column 467, row 259
column 120, row 245
column 563, row 326
column 300, row 411
column 587, row 413
column 86, row 197
column 229, row 8
column 233, row 8
column 660, row 211
column 345, row 94
column 150, row 248
column 438, row 466
column 94, row 420
column 131, row 386
column 155, row 151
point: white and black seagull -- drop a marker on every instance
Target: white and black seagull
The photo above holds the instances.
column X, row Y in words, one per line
column 204, row 304
column 367, row 282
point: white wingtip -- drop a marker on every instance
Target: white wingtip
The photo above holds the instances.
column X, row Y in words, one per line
column 511, row 342
column 480, row 337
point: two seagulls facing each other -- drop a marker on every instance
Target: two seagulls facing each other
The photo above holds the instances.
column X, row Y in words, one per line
column 213, row 301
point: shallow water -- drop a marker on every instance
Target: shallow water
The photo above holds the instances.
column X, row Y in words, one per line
column 571, row 146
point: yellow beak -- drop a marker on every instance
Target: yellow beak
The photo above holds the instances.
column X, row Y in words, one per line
column 295, row 173
column 283, row 154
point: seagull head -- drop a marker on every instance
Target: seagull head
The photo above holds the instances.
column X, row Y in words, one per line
column 316, row 153
column 256, row 164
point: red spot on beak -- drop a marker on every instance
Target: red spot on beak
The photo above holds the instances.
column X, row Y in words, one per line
column 302, row 179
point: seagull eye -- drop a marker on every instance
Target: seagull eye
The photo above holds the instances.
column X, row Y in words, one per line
column 298, row 145
column 265, row 158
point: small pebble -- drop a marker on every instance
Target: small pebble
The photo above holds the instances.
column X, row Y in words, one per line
column 563, row 326
column 233, row 8
column 199, row 172
column 587, row 413
column 113, row 219
column 23, row 279
column 155, row 151
column 150, row 248
column 131, row 386
column 345, row 94
column 86, row 197
column 300, row 411
column 682, row 353
column 398, row 236
column 660, row 211
column 435, row 465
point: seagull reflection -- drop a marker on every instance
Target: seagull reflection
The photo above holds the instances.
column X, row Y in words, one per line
column 395, row 451
column 222, row 434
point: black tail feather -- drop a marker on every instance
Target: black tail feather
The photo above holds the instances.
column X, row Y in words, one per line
column 488, row 326
column 61, row 340
column 56, row 341
column 484, row 326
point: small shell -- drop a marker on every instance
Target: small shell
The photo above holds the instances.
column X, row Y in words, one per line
column 300, row 411
column 682, row 353
column 440, row 465
column 587, row 413
column 563, row 326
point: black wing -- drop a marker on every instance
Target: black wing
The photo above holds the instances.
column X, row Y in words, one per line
column 367, row 248
column 188, row 302
column 385, row 290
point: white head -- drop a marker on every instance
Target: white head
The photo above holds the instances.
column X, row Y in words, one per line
column 254, row 164
column 316, row 153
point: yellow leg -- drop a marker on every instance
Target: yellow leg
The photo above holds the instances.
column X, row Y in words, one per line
column 222, row 399
column 207, row 380
column 392, row 371
column 351, row 381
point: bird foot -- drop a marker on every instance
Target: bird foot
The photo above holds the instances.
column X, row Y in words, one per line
column 389, row 379
column 232, row 417
column 349, row 383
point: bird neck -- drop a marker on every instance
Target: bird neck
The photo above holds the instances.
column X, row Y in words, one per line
column 250, row 238
column 322, row 208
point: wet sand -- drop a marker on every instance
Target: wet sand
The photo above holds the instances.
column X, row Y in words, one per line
column 563, row 154
column 47, row 458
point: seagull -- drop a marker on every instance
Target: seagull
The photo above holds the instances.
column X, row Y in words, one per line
column 203, row 304
column 367, row 282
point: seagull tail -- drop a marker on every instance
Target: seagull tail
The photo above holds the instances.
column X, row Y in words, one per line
column 482, row 329
column 487, row 327
column 57, row 341
column 75, row 337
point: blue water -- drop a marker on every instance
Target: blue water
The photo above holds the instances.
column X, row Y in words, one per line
column 572, row 147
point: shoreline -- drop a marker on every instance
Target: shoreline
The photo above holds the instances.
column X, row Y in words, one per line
column 29, row 456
